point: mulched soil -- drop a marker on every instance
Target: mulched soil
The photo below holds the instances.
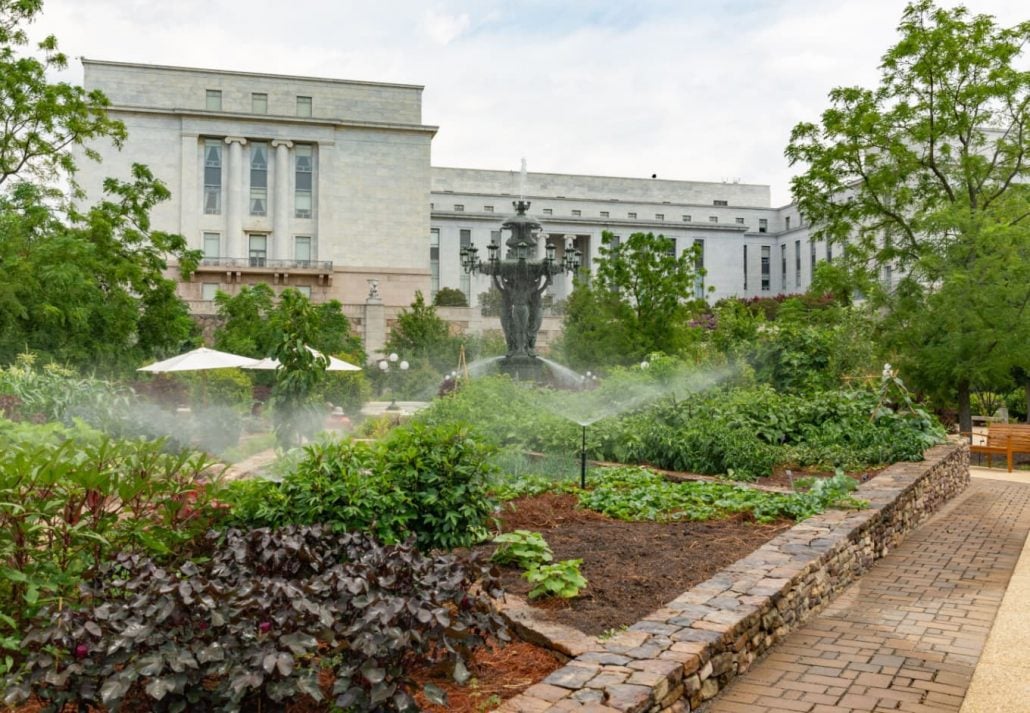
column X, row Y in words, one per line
column 632, row 568
column 497, row 675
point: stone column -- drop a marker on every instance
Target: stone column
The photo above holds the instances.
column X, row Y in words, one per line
column 281, row 204
column 234, row 247
column 374, row 322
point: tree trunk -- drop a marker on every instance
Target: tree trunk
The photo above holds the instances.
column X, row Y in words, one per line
column 1026, row 388
column 965, row 415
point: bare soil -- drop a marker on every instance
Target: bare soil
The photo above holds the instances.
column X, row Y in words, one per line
column 632, row 568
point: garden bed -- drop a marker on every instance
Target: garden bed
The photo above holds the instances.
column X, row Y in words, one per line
column 621, row 559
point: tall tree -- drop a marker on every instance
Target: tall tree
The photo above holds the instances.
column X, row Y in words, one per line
column 638, row 301
column 89, row 288
column 42, row 121
column 926, row 173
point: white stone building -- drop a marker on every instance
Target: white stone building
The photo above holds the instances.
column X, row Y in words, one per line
column 318, row 184
column 749, row 248
column 325, row 184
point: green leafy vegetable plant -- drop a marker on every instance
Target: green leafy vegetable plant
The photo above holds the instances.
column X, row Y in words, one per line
column 561, row 579
column 523, row 548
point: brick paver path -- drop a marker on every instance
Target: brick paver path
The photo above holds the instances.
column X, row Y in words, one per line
column 908, row 634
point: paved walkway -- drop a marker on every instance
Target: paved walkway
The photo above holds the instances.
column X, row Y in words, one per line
column 907, row 636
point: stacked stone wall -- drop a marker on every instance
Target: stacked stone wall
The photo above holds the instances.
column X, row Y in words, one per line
column 679, row 657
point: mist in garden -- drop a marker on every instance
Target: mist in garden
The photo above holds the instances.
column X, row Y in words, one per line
column 212, row 428
column 628, row 391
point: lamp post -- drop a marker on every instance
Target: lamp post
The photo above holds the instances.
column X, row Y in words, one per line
column 384, row 366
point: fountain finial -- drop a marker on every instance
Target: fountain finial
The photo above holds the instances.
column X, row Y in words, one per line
column 522, row 181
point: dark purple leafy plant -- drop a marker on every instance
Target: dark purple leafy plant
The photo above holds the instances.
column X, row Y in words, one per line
column 253, row 626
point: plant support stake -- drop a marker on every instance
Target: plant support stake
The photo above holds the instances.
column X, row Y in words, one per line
column 583, row 462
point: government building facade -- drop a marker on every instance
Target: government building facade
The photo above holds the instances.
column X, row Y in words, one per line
column 327, row 186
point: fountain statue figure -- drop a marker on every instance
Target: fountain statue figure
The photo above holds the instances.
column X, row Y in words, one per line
column 522, row 280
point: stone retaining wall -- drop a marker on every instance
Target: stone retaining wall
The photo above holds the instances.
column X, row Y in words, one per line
column 682, row 655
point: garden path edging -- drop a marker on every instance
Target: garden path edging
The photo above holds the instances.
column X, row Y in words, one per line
column 680, row 656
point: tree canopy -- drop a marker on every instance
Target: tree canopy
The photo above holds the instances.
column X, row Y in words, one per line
column 42, row 120
column 89, row 289
column 254, row 322
column 926, row 173
column 636, row 302
column 86, row 287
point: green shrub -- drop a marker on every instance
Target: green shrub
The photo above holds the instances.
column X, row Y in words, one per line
column 429, row 482
column 450, row 297
column 219, row 387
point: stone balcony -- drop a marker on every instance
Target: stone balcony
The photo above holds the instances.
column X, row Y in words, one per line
column 235, row 267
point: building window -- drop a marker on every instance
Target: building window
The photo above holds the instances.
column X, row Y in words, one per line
column 671, row 250
column 783, row 267
column 488, row 209
column 259, row 103
column 811, row 257
column 888, row 276
column 258, row 246
column 302, row 248
column 740, row 221
column 304, row 106
column 719, row 203
column 303, row 170
column 686, row 219
column 208, row 291
column 434, row 261
column 577, row 213
column 745, row 268
column 699, row 266
column 304, row 290
column 659, row 216
column 787, row 219
column 258, row 179
column 465, row 241
column 212, row 177
column 797, row 263
column 829, row 251
column 631, row 216
column 766, row 267
column 214, row 100
column 212, row 245
column 459, row 208
column 548, row 211
column 604, row 214
column 713, row 219
column 763, row 225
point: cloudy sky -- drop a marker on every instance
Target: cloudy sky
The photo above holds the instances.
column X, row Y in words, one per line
column 681, row 88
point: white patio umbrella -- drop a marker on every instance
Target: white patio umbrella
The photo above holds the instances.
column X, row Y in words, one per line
column 334, row 364
column 199, row 360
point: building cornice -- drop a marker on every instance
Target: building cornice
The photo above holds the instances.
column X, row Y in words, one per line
column 599, row 223
column 233, row 73
column 276, row 119
column 608, row 201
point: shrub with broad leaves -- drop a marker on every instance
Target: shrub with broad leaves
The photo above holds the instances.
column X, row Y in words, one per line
column 253, row 626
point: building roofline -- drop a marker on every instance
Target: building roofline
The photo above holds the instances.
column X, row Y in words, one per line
column 591, row 175
column 230, row 72
column 274, row 118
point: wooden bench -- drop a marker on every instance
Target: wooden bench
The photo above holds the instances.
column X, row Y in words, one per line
column 1005, row 439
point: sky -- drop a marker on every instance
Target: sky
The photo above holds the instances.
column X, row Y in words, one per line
column 687, row 90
